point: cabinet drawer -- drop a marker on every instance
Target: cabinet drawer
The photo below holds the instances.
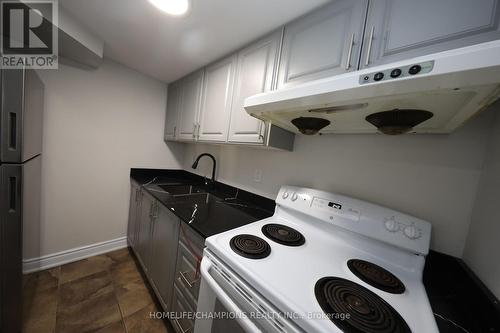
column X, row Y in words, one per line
column 181, row 324
column 186, row 276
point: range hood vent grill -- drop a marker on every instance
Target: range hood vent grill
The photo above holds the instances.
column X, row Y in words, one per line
column 397, row 121
column 310, row 125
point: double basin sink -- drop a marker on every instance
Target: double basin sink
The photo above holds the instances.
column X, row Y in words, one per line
column 181, row 193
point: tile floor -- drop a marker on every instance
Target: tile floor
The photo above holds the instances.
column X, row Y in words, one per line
column 104, row 294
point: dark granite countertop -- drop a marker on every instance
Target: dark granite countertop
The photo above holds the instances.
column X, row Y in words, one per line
column 207, row 209
column 461, row 303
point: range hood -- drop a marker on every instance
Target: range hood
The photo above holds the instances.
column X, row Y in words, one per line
column 430, row 94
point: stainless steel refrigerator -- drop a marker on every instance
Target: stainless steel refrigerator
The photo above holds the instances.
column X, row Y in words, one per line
column 21, row 113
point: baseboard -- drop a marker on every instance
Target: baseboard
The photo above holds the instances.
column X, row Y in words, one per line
column 65, row 257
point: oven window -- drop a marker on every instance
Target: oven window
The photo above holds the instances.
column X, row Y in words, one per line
column 224, row 325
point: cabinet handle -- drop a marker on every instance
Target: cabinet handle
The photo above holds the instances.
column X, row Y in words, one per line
column 183, row 277
column 198, row 125
column 194, row 130
column 349, row 53
column 155, row 210
column 263, row 126
column 180, row 326
column 175, row 131
column 370, row 42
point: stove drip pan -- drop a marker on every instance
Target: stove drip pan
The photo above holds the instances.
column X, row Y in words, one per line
column 376, row 276
column 283, row 235
column 250, row 246
column 368, row 313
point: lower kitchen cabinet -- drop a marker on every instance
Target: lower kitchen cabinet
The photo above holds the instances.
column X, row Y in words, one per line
column 169, row 252
column 187, row 278
column 181, row 323
column 164, row 240
column 143, row 243
column 154, row 234
column 187, row 275
column 134, row 213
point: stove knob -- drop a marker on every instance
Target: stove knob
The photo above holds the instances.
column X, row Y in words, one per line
column 285, row 195
column 294, row 196
column 411, row 232
column 391, row 225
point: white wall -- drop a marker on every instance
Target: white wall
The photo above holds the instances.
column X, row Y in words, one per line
column 433, row 177
column 483, row 243
column 97, row 125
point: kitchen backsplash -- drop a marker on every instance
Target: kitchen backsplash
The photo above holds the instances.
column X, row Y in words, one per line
column 433, row 177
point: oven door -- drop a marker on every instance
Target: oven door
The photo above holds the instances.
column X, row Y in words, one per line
column 227, row 304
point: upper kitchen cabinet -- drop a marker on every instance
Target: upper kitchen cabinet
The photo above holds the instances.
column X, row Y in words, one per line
column 190, row 101
column 255, row 71
column 402, row 29
column 216, row 102
column 173, row 110
column 324, row 43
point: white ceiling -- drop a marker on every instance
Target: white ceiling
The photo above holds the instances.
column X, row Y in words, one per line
column 140, row 36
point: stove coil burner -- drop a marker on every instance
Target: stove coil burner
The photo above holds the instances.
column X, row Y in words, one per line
column 376, row 276
column 368, row 312
column 283, row 234
column 250, row 246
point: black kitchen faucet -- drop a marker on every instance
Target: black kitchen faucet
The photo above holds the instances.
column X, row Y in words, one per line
column 214, row 165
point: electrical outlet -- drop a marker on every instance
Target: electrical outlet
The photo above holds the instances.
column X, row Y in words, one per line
column 257, row 176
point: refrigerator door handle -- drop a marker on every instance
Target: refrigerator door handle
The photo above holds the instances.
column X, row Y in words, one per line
column 13, row 194
column 12, row 131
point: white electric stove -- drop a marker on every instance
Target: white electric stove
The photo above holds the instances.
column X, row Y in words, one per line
column 322, row 263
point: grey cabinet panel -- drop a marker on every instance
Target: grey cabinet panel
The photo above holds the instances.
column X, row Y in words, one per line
column 403, row 29
column 186, row 275
column 324, row 43
column 179, row 306
column 22, row 113
column 255, row 72
column 172, row 115
column 143, row 245
column 164, row 252
column 190, row 106
column 10, row 247
column 134, row 213
column 216, row 102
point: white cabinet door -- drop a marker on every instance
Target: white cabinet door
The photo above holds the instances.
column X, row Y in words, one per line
column 190, row 106
column 324, row 43
column 403, row 29
column 254, row 74
column 217, row 96
column 172, row 115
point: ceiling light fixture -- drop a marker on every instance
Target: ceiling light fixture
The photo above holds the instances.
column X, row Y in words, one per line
column 172, row 7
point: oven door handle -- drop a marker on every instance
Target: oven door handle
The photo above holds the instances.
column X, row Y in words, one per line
column 240, row 316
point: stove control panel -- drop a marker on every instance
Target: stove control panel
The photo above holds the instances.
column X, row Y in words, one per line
column 409, row 230
column 367, row 219
column 335, row 208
